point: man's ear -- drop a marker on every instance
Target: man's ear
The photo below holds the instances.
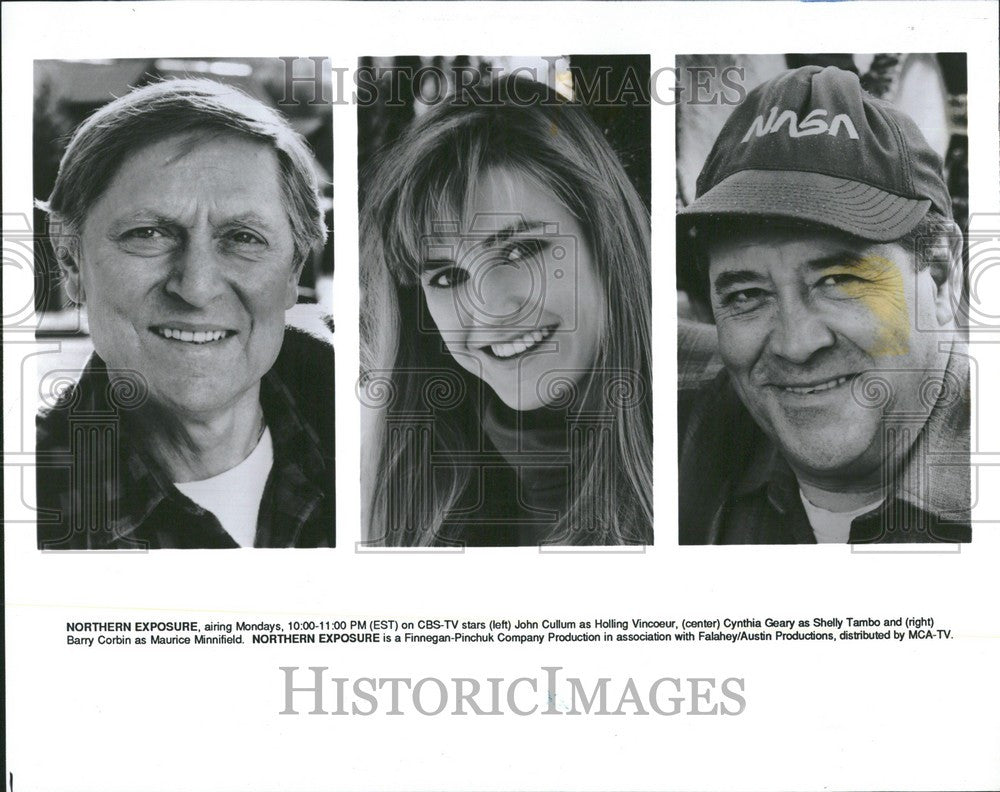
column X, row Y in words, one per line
column 66, row 246
column 292, row 287
column 945, row 265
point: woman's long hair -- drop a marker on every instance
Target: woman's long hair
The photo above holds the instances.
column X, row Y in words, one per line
column 422, row 399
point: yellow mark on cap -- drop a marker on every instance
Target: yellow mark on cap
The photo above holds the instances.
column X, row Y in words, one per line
column 878, row 284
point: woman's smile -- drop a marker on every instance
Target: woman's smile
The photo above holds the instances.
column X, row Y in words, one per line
column 520, row 344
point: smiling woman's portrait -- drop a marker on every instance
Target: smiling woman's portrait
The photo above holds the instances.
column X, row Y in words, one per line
column 506, row 325
column 184, row 213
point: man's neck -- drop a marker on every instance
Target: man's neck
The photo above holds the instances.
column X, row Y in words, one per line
column 842, row 500
column 197, row 447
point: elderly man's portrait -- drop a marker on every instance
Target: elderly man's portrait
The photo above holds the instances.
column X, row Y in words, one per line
column 187, row 401
column 823, row 379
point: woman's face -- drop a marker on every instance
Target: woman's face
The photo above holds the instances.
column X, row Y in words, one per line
column 514, row 292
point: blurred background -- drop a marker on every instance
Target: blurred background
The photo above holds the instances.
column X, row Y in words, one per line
column 613, row 88
column 930, row 88
column 67, row 92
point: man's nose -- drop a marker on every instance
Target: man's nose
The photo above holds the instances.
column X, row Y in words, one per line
column 800, row 331
column 504, row 294
column 197, row 272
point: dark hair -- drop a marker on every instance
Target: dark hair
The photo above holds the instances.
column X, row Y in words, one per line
column 160, row 110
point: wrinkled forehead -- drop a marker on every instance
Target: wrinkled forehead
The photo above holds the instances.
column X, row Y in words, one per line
column 170, row 149
column 237, row 172
column 778, row 249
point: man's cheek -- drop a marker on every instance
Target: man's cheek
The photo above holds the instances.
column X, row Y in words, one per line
column 881, row 293
column 737, row 346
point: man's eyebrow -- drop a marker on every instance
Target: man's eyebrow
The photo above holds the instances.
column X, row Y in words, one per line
column 248, row 218
column 156, row 217
column 730, row 278
column 847, row 258
column 143, row 214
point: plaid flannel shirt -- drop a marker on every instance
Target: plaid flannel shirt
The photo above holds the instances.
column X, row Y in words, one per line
column 97, row 489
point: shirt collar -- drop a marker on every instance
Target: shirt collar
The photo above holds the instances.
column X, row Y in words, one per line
column 934, row 476
column 143, row 482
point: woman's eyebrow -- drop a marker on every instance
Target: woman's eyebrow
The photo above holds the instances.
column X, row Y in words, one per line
column 435, row 260
column 519, row 226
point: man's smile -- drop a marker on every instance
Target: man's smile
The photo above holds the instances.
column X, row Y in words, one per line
column 815, row 386
column 192, row 334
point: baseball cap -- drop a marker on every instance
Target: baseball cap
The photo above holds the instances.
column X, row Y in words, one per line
column 812, row 145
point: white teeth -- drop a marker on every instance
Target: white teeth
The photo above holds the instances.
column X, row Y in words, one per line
column 191, row 336
column 817, row 388
column 520, row 345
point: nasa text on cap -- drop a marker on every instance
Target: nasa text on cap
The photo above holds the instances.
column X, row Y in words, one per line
column 812, row 145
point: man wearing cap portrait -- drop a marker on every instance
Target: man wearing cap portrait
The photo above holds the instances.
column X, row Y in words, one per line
column 822, row 231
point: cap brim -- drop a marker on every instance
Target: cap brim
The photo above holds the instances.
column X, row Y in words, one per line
column 855, row 208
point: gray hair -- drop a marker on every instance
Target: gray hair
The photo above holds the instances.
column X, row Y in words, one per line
column 161, row 110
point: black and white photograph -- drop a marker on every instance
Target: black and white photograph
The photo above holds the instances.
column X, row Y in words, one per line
column 485, row 324
column 184, row 275
column 823, row 386
column 505, row 301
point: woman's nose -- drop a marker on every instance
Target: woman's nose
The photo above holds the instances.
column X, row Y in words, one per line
column 505, row 293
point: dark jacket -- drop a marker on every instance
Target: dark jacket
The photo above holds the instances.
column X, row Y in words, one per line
column 736, row 488
column 97, row 488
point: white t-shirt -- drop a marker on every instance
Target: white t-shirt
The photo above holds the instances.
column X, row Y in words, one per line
column 234, row 496
column 833, row 527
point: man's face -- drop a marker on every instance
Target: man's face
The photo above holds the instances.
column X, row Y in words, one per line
column 517, row 298
column 800, row 316
column 186, row 266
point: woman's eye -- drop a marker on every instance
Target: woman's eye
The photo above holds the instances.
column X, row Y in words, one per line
column 448, row 278
column 522, row 249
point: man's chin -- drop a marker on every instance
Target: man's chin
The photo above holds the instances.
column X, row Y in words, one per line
column 832, row 455
column 197, row 400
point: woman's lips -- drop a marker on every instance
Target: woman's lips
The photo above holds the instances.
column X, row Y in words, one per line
column 518, row 345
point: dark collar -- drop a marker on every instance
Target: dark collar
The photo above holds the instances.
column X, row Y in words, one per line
column 143, row 484
column 933, row 475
